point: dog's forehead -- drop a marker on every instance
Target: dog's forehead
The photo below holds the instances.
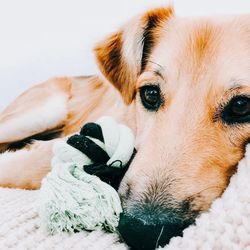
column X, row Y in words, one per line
column 215, row 49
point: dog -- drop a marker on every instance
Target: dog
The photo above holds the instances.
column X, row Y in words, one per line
column 181, row 84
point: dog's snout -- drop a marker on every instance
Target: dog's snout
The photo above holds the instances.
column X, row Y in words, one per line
column 149, row 231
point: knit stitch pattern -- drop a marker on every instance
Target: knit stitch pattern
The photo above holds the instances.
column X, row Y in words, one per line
column 20, row 227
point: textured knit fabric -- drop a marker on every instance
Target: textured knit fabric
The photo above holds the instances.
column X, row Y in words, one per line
column 226, row 226
column 20, row 227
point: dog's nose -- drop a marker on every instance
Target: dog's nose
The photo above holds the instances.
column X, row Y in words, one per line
column 140, row 233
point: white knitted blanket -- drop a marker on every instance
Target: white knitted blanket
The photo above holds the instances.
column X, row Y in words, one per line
column 225, row 226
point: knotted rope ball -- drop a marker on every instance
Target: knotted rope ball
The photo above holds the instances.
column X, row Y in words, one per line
column 80, row 191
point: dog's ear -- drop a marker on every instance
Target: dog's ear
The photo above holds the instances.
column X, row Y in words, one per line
column 123, row 56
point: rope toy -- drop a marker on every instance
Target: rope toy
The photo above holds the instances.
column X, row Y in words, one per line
column 80, row 191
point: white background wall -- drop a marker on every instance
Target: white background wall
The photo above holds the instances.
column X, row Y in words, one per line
column 44, row 38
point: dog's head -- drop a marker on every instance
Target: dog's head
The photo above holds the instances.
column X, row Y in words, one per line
column 187, row 83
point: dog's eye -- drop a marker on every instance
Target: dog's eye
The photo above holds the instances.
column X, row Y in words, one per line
column 237, row 111
column 151, row 97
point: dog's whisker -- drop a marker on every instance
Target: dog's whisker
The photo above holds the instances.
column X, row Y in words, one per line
column 156, row 64
column 160, row 234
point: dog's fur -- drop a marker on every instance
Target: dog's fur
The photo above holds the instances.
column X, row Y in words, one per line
column 186, row 153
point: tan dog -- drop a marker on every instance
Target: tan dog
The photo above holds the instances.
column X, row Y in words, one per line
column 183, row 87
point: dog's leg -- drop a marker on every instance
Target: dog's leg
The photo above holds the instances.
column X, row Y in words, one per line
column 25, row 168
column 41, row 109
